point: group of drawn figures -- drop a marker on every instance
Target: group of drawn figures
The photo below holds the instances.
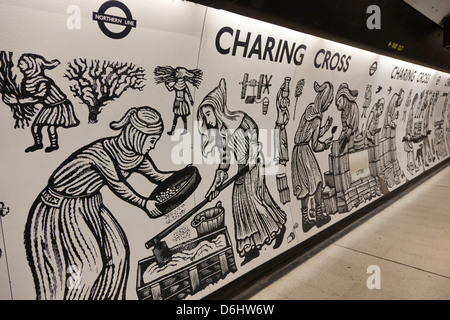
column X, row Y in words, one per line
column 93, row 242
column 418, row 130
column 376, row 133
column 38, row 96
column 101, row 259
column 53, row 233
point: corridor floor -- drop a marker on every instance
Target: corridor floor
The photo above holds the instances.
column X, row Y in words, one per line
column 401, row 252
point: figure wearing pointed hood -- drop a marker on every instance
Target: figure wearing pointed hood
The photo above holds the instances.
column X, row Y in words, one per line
column 37, row 88
column 346, row 103
column 306, row 175
column 258, row 219
column 373, row 120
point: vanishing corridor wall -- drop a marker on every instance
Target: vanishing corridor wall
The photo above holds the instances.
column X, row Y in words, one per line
column 162, row 149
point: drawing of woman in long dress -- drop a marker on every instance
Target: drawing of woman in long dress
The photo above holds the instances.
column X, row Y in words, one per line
column 306, row 175
column 390, row 126
column 373, row 121
column 70, row 232
column 37, row 88
column 408, row 145
column 258, row 220
column 346, row 103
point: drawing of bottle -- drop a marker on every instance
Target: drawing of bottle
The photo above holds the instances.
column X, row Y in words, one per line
column 265, row 105
column 285, row 92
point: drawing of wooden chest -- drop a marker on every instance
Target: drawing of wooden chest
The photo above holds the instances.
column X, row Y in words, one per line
column 187, row 275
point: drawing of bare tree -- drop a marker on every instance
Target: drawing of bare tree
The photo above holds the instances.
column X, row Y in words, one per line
column 99, row 82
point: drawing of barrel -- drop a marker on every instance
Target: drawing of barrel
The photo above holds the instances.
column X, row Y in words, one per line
column 209, row 220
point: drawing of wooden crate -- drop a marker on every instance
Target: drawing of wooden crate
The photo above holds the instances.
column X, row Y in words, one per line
column 283, row 188
column 362, row 188
column 343, row 181
column 329, row 200
column 341, row 202
column 191, row 278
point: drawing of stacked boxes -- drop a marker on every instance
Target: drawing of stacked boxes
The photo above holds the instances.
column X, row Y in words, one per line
column 342, row 193
column 390, row 168
column 283, row 188
column 337, row 180
column 439, row 139
column 329, row 194
column 384, row 153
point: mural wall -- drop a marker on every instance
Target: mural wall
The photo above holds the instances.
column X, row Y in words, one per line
column 162, row 149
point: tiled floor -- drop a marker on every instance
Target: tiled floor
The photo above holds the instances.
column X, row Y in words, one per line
column 407, row 242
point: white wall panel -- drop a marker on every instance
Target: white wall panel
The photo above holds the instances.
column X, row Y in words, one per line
column 253, row 60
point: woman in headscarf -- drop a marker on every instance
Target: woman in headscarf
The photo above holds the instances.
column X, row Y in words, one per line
column 37, row 88
column 258, row 220
column 69, row 229
column 373, row 120
column 306, row 175
column 346, row 103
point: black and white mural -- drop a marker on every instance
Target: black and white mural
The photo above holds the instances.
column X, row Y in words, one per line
column 36, row 88
column 184, row 147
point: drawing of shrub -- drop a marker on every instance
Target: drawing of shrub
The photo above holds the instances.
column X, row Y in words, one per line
column 99, row 82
